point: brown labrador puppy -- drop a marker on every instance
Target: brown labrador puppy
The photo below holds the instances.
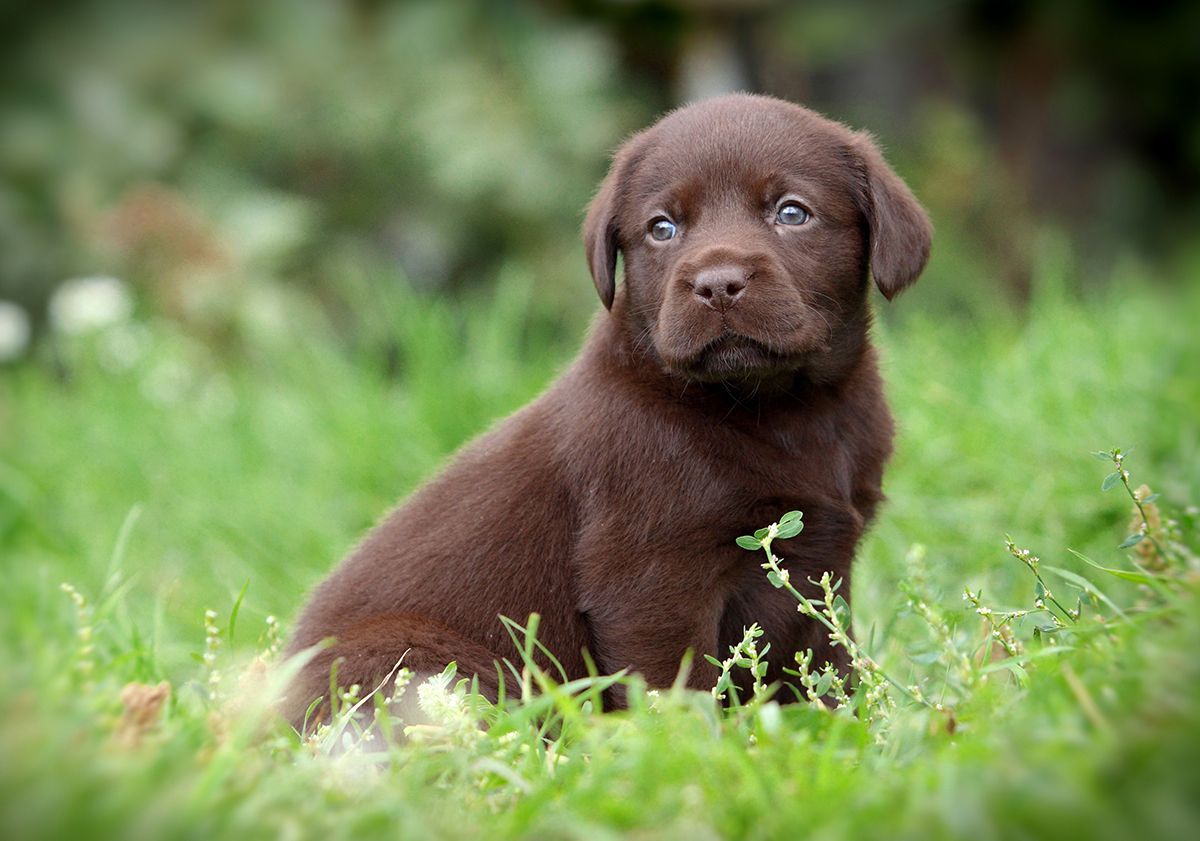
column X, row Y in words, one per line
column 732, row 381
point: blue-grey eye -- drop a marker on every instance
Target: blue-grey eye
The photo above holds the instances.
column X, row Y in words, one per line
column 662, row 230
column 791, row 213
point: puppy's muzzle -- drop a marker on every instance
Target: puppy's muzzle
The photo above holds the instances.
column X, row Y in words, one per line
column 721, row 287
column 719, row 277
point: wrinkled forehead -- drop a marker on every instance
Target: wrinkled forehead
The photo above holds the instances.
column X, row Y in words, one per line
column 704, row 154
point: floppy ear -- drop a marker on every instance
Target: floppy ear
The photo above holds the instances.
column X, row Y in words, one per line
column 901, row 232
column 600, row 237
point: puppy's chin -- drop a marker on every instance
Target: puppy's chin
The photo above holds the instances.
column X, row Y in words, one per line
column 733, row 358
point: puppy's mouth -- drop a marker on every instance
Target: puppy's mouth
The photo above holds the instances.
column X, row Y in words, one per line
column 732, row 356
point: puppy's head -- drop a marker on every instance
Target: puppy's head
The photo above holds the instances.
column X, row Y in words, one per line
column 748, row 226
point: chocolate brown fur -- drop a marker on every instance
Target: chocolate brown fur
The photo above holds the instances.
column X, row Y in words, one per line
column 610, row 504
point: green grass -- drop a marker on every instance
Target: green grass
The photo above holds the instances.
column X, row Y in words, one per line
column 168, row 484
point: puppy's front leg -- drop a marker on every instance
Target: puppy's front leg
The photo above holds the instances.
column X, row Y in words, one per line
column 650, row 636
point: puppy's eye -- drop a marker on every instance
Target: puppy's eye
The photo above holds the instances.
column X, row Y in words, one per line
column 662, row 229
column 791, row 213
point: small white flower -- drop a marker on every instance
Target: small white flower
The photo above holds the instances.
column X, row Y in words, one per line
column 89, row 303
column 14, row 331
column 438, row 701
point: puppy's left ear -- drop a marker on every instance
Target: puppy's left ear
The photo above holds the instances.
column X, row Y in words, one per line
column 901, row 233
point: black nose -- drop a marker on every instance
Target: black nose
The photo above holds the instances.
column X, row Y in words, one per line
column 719, row 287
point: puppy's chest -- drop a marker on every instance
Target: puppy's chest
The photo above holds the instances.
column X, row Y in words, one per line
column 774, row 464
column 729, row 491
column 750, row 487
column 719, row 479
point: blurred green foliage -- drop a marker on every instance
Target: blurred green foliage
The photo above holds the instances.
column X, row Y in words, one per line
column 228, row 156
column 202, row 149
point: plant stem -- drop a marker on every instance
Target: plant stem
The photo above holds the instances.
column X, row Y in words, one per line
column 811, row 610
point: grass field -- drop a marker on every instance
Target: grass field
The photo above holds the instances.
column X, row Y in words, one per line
column 162, row 479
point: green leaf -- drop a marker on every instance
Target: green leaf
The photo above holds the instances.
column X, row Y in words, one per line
column 1085, row 585
column 1039, row 591
column 1149, row 499
column 842, row 609
column 1110, row 480
column 748, row 542
column 774, row 578
column 925, row 658
column 760, row 669
column 1102, row 456
column 237, row 606
column 1016, row 663
column 1125, row 575
column 823, row 684
column 761, row 533
column 1132, row 540
column 790, row 517
column 713, row 660
column 791, row 529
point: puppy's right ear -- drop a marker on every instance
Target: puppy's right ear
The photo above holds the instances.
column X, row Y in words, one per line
column 600, row 236
column 600, row 229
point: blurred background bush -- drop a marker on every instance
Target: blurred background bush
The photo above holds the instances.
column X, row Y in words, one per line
column 240, row 164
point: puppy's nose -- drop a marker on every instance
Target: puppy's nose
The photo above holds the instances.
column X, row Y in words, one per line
column 719, row 287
